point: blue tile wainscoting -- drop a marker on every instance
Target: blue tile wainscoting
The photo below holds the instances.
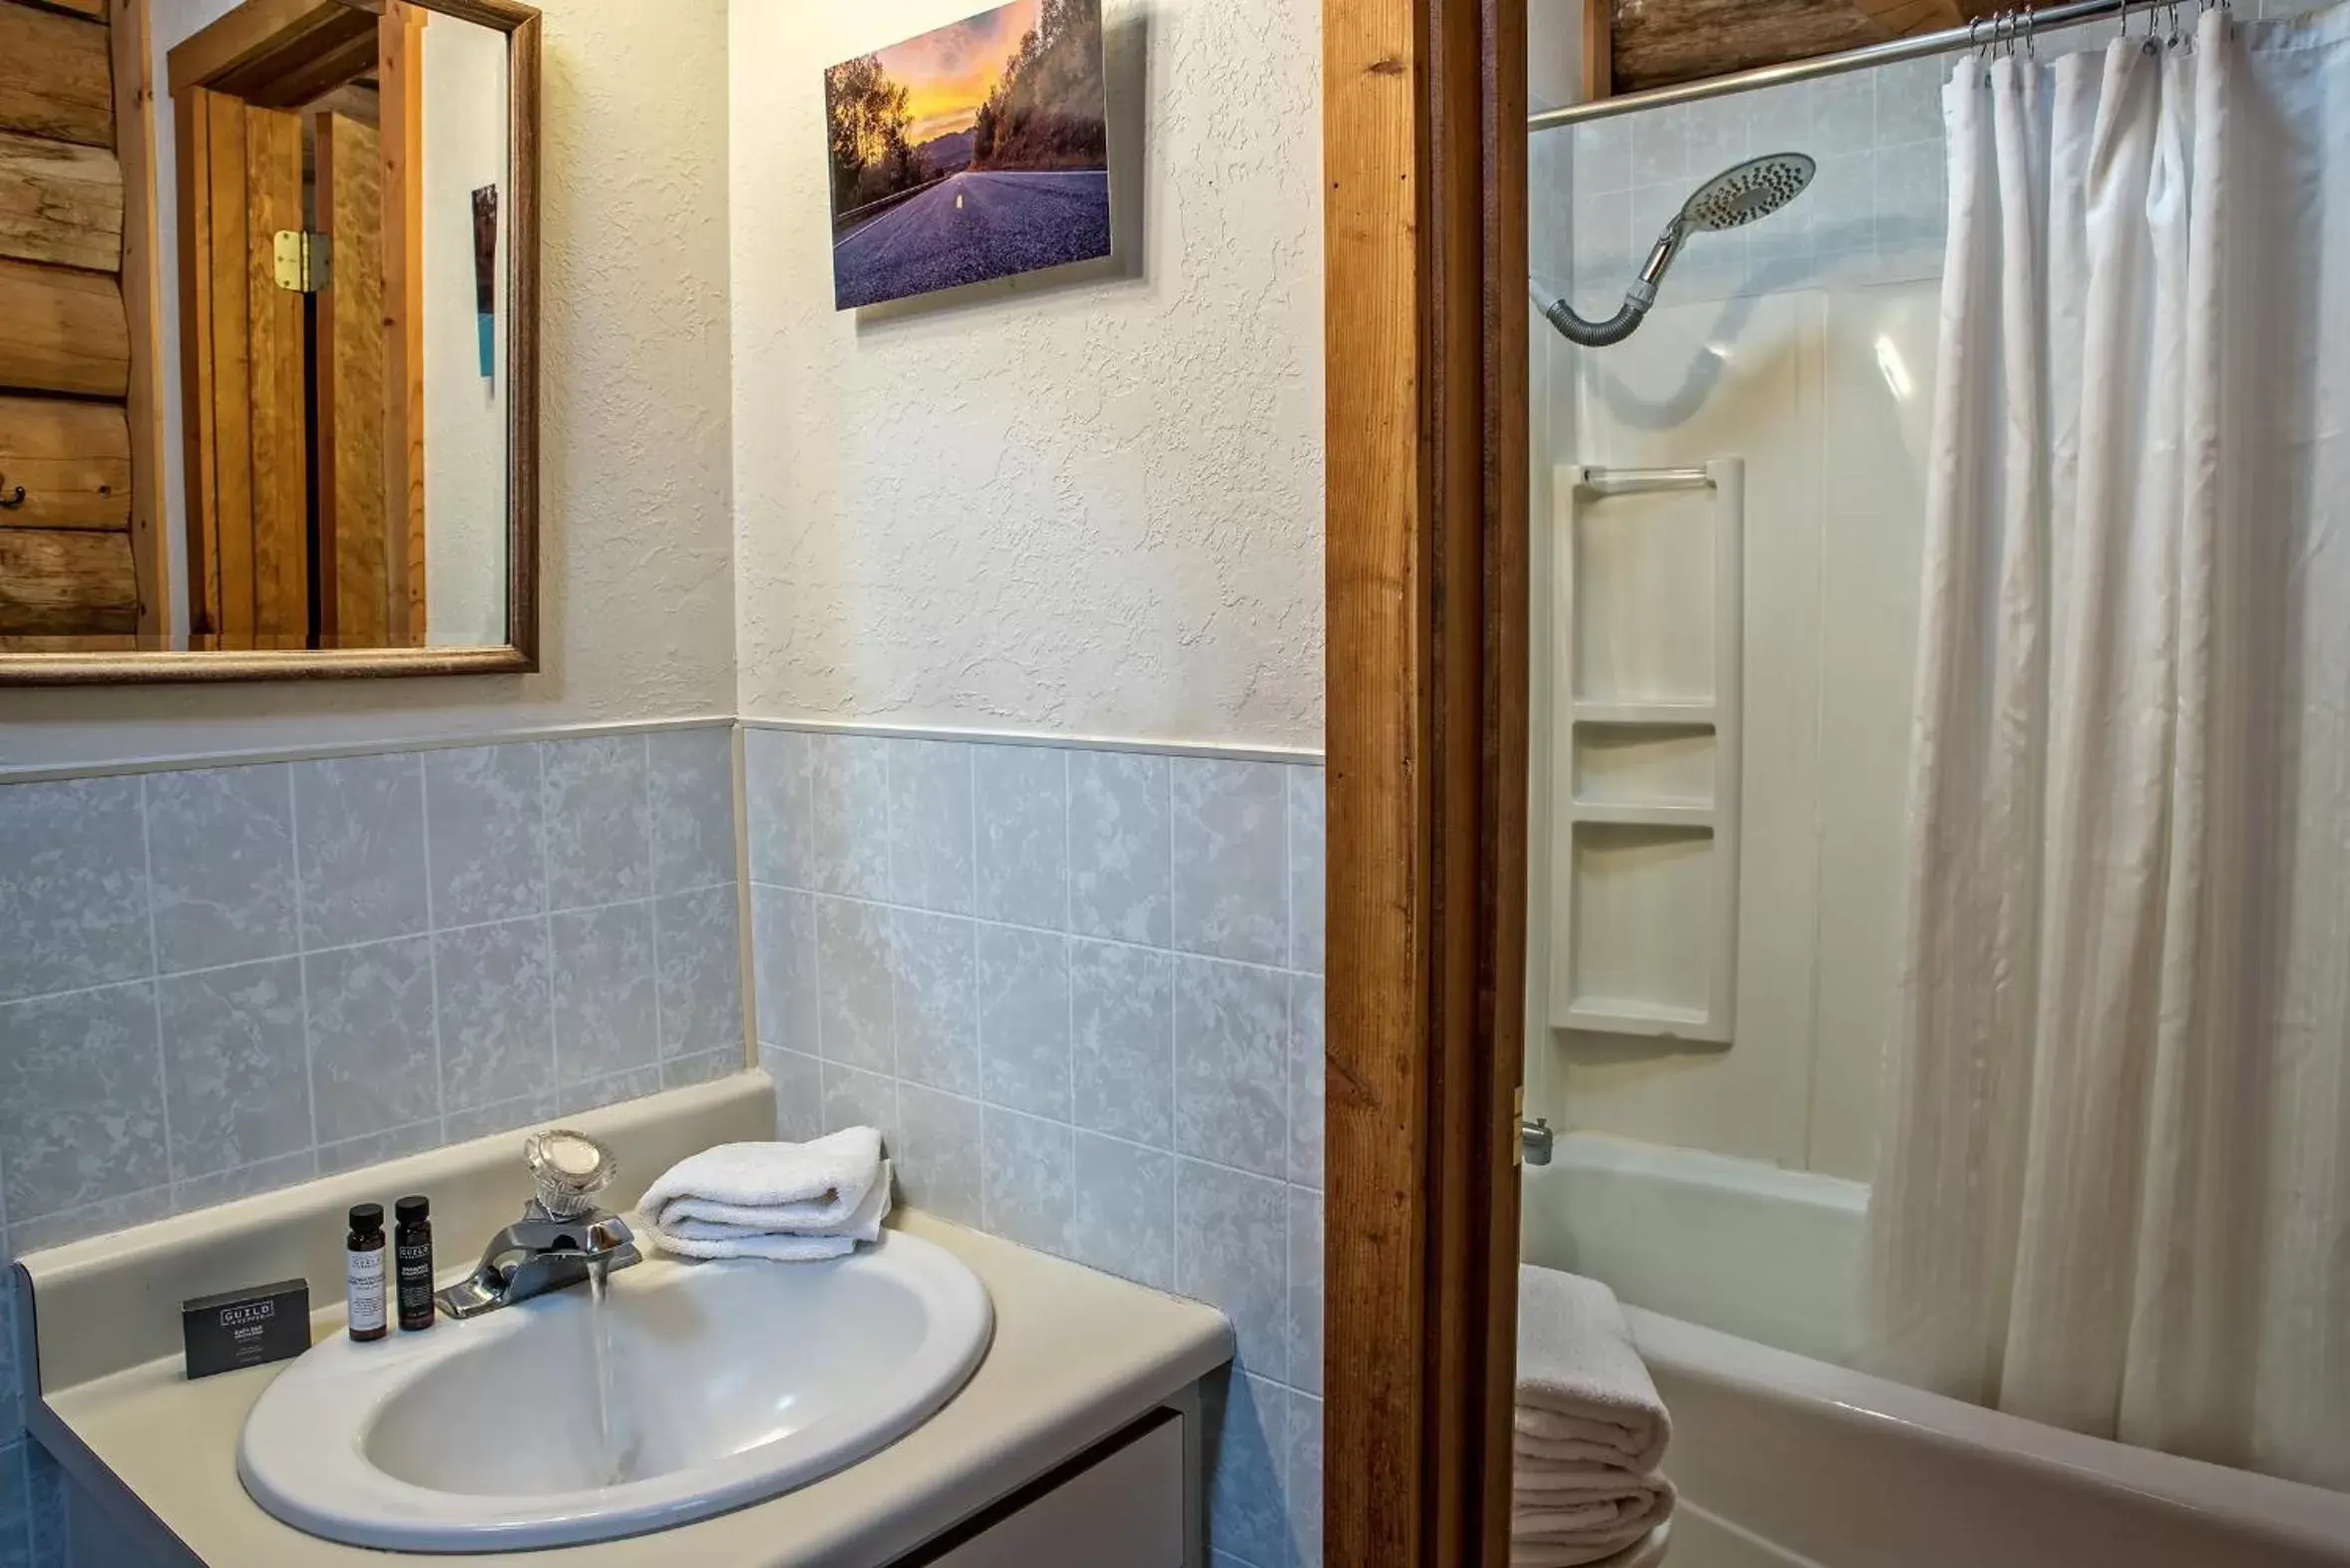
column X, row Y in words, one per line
column 1077, row 987
column 1079, row 990
column 216, row 981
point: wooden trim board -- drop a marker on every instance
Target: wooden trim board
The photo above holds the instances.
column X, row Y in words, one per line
column 400, row 137
column 1424, row 182
column 142, row 282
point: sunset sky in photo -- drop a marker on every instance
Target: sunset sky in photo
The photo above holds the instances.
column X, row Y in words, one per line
column 948, row 73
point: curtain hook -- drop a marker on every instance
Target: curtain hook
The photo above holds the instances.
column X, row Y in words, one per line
column 2032, row 35
column 1974, row 38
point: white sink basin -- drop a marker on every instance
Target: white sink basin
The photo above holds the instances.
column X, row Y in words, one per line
column 729, row 1383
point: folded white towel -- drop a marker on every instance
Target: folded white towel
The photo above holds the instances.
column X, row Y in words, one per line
column 771, row 1186
column 1564, row 1530
column 783, row 1201
column 1583, row 1395
column 1589, row 1430
column 709, row 1239
column 1647, row 1547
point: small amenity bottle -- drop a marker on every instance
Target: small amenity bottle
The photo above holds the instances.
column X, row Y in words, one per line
column 365, row 1272
column 412, row 1263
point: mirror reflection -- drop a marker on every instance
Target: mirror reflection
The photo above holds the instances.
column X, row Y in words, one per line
column 254, row 378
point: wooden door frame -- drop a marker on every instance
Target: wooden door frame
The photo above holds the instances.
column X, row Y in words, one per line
column 144, row 260
column 1425, row 127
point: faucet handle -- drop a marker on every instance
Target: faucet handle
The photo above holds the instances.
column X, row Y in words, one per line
column 568, row 1169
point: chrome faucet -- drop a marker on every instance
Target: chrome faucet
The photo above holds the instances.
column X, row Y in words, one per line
column 561, row 1238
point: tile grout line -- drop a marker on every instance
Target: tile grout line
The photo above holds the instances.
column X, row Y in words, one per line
column 971, row 756
column 545, row 901
column 660, row 1023
column 155, row 984
column 889, row 763
column 815, row 926
column 1069, row 976
column 1175, row 1048
column 294, row 819
column 1289, row 989
column 432, row 950
column 1046, row 931
column 373, row 942
column 1068, row 902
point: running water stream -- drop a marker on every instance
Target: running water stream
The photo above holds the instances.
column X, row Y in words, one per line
column 614, row 1464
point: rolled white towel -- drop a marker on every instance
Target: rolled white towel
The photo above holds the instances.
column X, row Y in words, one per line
column 1583, row 1393
column 809, row 1188
column 688, row 1237
column 787, row 1202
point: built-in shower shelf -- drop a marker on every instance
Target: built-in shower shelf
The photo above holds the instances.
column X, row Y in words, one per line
column 1640, row 1018
column 1677, row 714
column 1700, row 819
column 1649, row 663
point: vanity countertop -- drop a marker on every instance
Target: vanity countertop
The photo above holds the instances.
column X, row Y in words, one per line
column 1076, row 1355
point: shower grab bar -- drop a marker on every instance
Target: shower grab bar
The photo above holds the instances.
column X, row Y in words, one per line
column 1644, row 481
column 1917, row 47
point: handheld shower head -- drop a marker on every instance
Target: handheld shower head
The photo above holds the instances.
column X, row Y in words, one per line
column 1754, row 190
column 1735, row 196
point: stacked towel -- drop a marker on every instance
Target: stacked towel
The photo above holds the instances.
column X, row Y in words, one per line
column 1591, row 1431
column 785, row 1202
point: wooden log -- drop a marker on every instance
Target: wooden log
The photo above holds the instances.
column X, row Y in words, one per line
column 1908, row 17
column 1657, row 43
column 60, row 202
column 73, row 460
column 67, row 583
column 78, row 645
column 55, row 80
column 62, row 330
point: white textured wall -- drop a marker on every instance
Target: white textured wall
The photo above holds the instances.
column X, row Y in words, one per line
column 638, row 593
column 1090, row 507
column 465, row 134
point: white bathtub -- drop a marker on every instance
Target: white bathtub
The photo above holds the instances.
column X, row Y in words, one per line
column 1792, row 1462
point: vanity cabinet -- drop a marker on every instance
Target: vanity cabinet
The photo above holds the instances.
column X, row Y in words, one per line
column 1123, row 1505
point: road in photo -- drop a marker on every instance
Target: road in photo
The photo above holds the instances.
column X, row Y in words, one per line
column 973, row 225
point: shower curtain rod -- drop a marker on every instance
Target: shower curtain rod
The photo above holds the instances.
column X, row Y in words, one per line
column 2008, row 25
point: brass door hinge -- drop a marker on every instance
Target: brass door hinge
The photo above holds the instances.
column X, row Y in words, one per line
column 305, row 261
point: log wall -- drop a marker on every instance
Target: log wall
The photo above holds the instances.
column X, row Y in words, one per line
column 69, row 576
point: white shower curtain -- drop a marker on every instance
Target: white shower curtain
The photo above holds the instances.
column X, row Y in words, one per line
column 2114, row 1192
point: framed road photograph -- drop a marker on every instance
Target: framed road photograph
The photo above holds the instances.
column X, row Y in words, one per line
column 976, row 151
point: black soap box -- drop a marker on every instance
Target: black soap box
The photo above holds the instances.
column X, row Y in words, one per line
column 238, row 1328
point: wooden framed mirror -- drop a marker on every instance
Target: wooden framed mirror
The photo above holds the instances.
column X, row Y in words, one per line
column 268, row 339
